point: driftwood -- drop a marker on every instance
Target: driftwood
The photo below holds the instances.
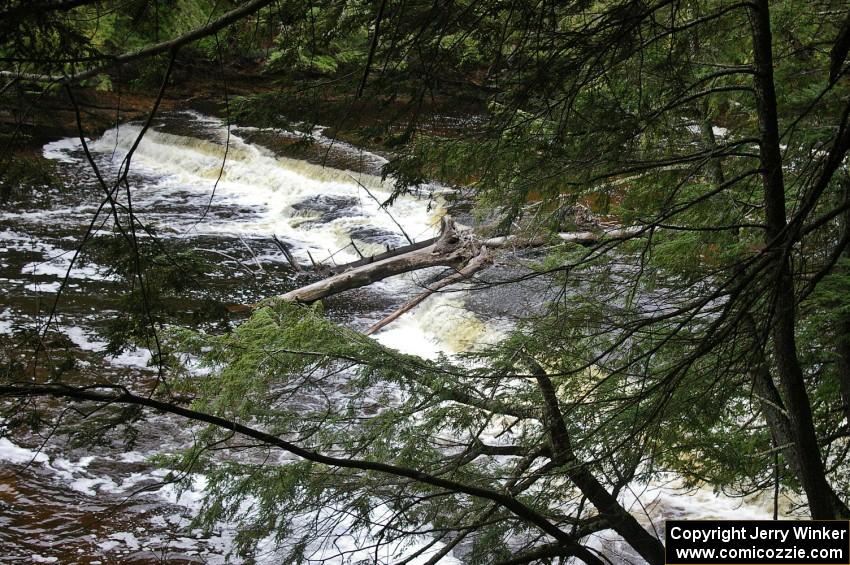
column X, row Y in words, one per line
column 452, row 248
column 288, row 254
column 385, row 255
column 461, row 250
column 580, row 237
column 475, row 264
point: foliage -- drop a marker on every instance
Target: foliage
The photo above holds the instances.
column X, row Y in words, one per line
column 296, row 375
column 170, row 271
column 709, row 341
column 22, row 173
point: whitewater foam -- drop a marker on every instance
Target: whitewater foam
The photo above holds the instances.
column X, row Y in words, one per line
column 270, row 186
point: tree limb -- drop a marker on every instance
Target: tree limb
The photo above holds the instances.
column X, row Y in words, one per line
column 120, row 395
column 164, row 46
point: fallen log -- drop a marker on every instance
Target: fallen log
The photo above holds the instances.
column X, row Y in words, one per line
column 579, row 237
column 460, row 249
column 475, row 264
column 452, row 248
column 385, row 255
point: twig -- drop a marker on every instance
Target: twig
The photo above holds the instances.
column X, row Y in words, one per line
column 231, row 257
column 354, row 245
column 475, row 264
column 382, row 207
column 287, row 253
column 251, row 251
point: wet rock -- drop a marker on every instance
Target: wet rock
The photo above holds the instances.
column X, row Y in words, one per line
column 368, row 234
column 322, row 208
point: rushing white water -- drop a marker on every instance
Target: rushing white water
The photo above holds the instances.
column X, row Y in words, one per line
column 252, row 194
column 321, row 208
column 318, row 209
column 315, row 209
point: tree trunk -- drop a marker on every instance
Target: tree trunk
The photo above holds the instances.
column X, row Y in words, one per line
column 622, row 522
column 476, row 264
column 811, row 473
column 579, row 237
column 451, row 249
column 843, row 326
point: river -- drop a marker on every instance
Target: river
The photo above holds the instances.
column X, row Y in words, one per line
column 61, row 502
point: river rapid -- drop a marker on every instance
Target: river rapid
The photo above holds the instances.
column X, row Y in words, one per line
column 226, row 195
